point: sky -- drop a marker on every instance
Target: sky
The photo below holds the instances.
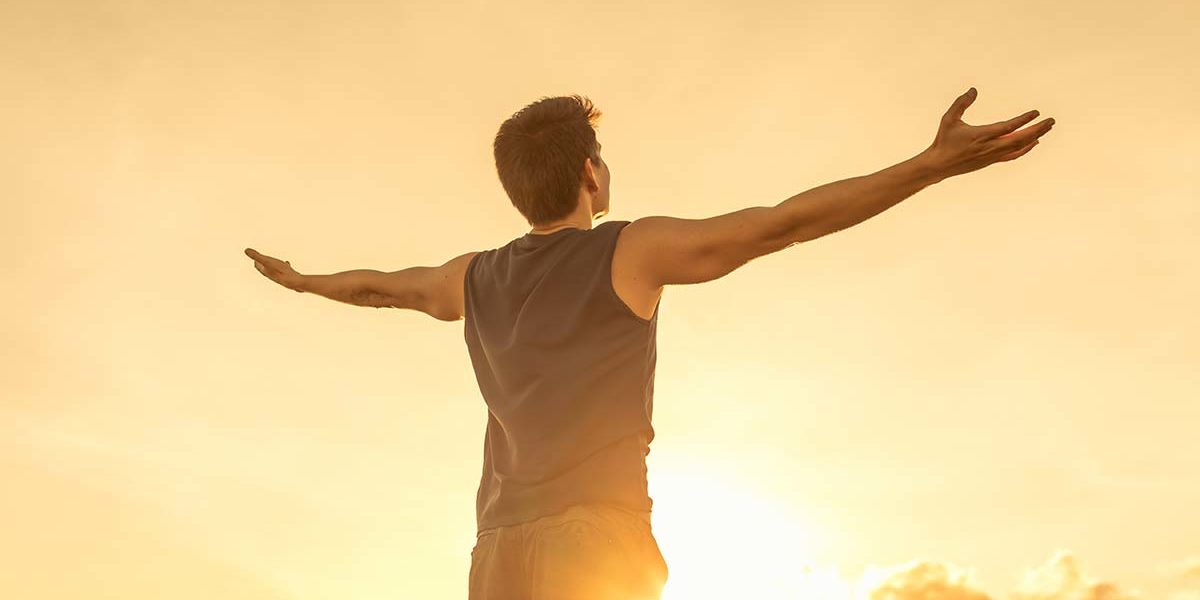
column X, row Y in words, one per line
column 988, row 391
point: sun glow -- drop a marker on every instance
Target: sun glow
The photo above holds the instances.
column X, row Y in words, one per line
column 722, row 541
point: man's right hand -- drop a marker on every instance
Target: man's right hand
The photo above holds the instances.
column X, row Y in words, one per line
column 961, row 148
column 279, row 271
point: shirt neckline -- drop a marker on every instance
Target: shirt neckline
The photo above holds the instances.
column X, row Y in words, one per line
column 542, row 235
column 539, row 239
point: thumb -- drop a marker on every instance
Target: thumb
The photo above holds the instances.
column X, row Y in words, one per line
column 960, row 106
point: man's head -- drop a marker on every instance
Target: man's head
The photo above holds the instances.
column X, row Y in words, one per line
column 549, row 160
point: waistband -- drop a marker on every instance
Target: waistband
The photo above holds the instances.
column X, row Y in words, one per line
column 581, row 510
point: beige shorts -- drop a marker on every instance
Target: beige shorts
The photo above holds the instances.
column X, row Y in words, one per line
column 588, row 552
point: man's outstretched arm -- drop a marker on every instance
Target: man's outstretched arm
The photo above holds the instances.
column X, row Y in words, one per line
column 435, row 291
column 658, row 250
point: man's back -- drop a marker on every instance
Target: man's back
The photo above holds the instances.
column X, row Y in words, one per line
column 567, row 371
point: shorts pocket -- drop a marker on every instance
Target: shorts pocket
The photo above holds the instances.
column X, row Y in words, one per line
column 481, row 557
column 579, row 558
column 482, row 539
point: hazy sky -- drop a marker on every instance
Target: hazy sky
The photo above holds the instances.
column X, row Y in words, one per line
column 998, row 375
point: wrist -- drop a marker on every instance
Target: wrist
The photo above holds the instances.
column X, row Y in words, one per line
column 298, row 282
column 928, row 168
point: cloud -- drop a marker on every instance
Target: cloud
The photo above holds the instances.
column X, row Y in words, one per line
column 1187, row 569
column 1062, row 579
column 926, row 580
column 1187, row 573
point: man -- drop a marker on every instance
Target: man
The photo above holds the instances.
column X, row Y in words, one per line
column 560, row 326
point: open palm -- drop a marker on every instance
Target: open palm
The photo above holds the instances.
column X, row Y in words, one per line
column 961, row 148
column 279, row 271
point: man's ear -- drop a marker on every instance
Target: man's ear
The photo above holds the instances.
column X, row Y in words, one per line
column 589, row 175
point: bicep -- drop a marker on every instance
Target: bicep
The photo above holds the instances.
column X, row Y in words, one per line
column 673, row 251
column 446, row 301
column 435, row 291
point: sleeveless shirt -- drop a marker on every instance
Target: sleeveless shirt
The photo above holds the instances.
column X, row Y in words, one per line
column 566, row 369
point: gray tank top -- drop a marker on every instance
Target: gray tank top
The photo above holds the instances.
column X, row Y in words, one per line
column 567, row 372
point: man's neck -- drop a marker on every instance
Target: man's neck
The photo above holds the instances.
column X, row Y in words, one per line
column 572, row 224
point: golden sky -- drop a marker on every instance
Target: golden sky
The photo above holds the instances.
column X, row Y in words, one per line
column 993, row 385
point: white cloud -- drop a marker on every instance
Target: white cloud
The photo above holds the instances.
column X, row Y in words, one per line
column 1062, row 579
column 1187, row 573
column 925, row 580
column 1187, row 569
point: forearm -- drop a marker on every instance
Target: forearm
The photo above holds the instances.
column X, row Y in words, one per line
column 357, row 287
column 842, row 204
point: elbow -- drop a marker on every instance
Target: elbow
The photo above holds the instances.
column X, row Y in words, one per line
column 788, row 227
column 791, row 236
column 447, row 317
column 774, row 234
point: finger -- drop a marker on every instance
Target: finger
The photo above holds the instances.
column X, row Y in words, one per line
column 256, row 255
column 268, row 261
column 1019, row 139
column 1009, row 126
column 1018, row 153
column 268, row 273
column 956, row 110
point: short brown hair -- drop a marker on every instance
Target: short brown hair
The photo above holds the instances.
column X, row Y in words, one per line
column 540, row 152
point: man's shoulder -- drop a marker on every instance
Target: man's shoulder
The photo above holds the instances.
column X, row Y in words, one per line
column 611, row 229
